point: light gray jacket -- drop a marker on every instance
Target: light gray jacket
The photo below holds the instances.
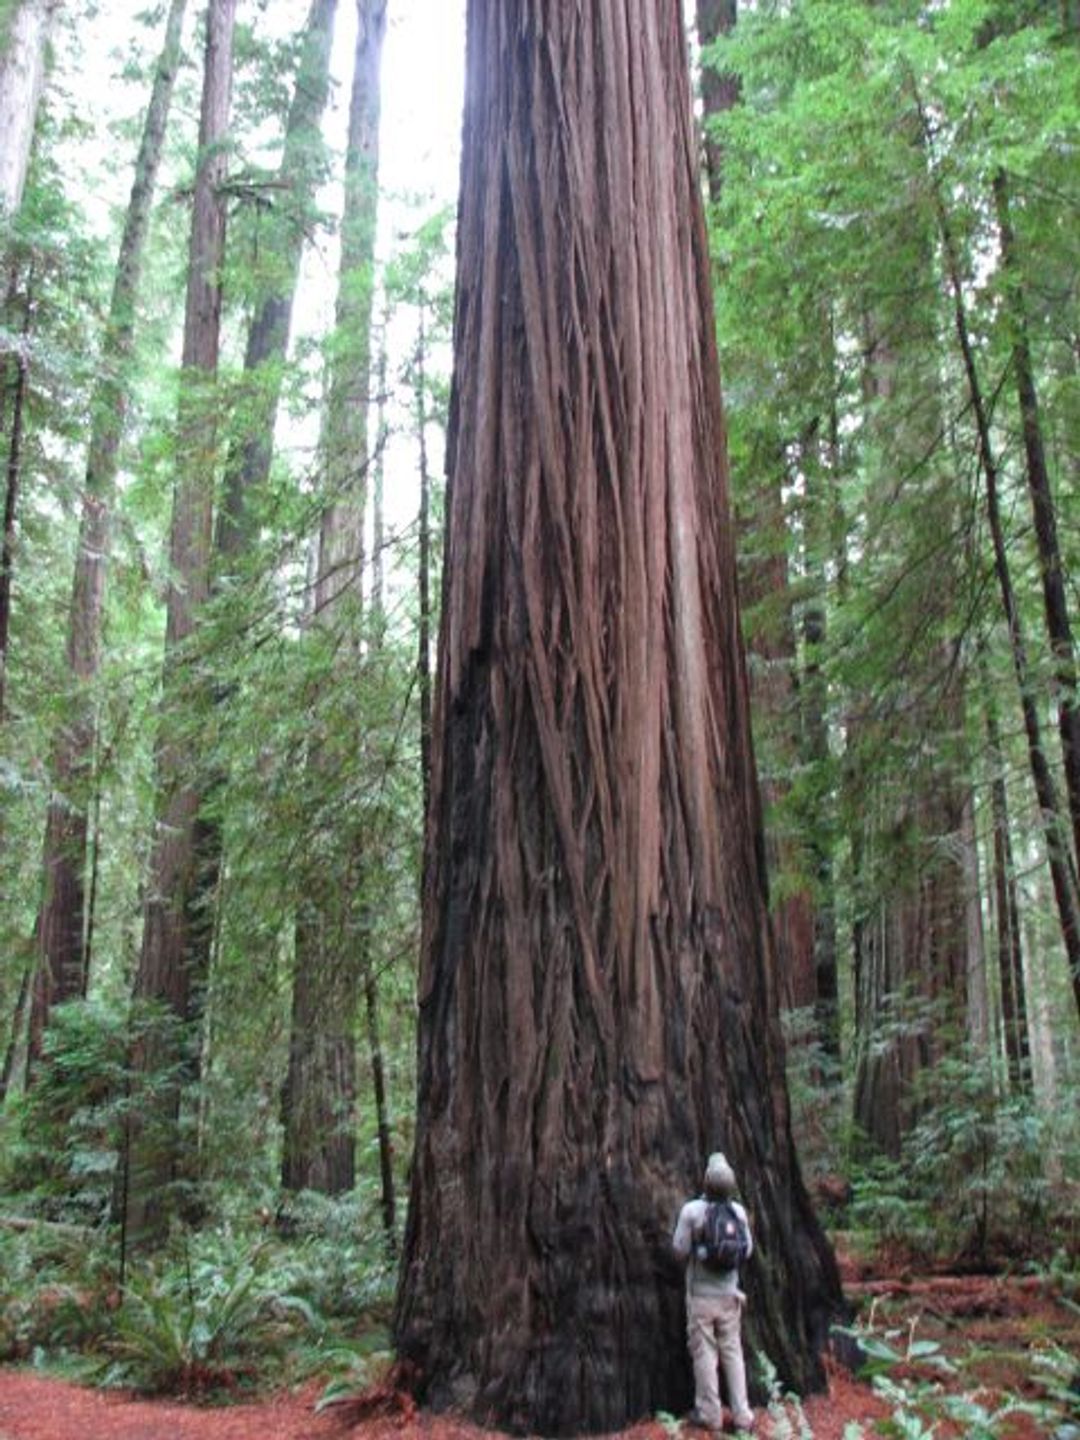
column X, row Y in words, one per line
column 700, row 1281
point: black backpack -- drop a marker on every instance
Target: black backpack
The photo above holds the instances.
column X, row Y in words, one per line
column 724, row 1241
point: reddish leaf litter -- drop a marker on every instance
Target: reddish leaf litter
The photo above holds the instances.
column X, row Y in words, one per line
column 989, row 1322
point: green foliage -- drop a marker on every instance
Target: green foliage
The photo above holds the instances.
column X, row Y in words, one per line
column 921, row 1410
column 56, row 1289
column 786, row 1415
column 300, row 1291
column 986, row 1178
column 65, row 1134
column 217, row 1315
column 820, row 1101
column 338, row 1253
column 884, row 1204
column 899, row 1365
column 981, row 1159
column 354, row 1368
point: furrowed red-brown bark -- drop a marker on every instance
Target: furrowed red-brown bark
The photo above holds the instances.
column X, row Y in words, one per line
column 598, row 997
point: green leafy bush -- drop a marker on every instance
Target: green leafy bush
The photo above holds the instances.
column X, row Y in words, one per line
column 207, row 1322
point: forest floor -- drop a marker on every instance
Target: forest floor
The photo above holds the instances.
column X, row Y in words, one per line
column 990, row 1328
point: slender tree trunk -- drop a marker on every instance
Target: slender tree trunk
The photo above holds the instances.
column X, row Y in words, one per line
column 719, row 89
column 814, row 711
column 376, row 628
column 382, row 1110
column 1044, row 1019
column 598, row 989
column 975, row 984
column 342, row 550
column 1009, row 938
column 18, row 1025
column 24, row 36
column 423, row 663
column 763, row 578
column 1055, row 602
column 61, row 971
column 18, row 370
column 302, row 168
column 319, row 1098
column 919, row 949
column 174, row 939
column 1062, row 871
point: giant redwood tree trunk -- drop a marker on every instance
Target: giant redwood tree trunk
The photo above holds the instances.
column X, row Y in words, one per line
column 598, row 1002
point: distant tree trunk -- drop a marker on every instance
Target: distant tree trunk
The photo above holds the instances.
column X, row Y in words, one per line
column 1007, row 911
column 379, row 1088
column 18, row 1028
column 910, row 799
column 1059, row 859
column 423, row 664
column 319, row 1097
column 912, row 966
column 770, row 641
column 1055, row 602
column 977, row 1026
column 820, row 504
column 378, row 506
column 342, row 548
column 382, row 1109
column 719, row 89
column 598, row 991
column 300, row 172
column 61, row 970
column 1043, row 1012
column 24, row 36
column 174, row 943
column 17, row 377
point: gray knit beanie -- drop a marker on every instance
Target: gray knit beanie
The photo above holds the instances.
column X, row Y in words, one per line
column 719, row 1177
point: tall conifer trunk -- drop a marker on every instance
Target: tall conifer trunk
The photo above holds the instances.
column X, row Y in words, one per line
column 598, row 992
column 1044, row 513
column 301, row 171
column 15, row 379
column 174, row 943
column 1059, row 856
column 24, row 39
column 319, row 1096
column 63, row 951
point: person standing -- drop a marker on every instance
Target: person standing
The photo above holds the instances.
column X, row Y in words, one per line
column 714, row 1301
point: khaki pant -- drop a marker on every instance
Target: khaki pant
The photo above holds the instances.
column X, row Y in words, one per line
column 713, row 1325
